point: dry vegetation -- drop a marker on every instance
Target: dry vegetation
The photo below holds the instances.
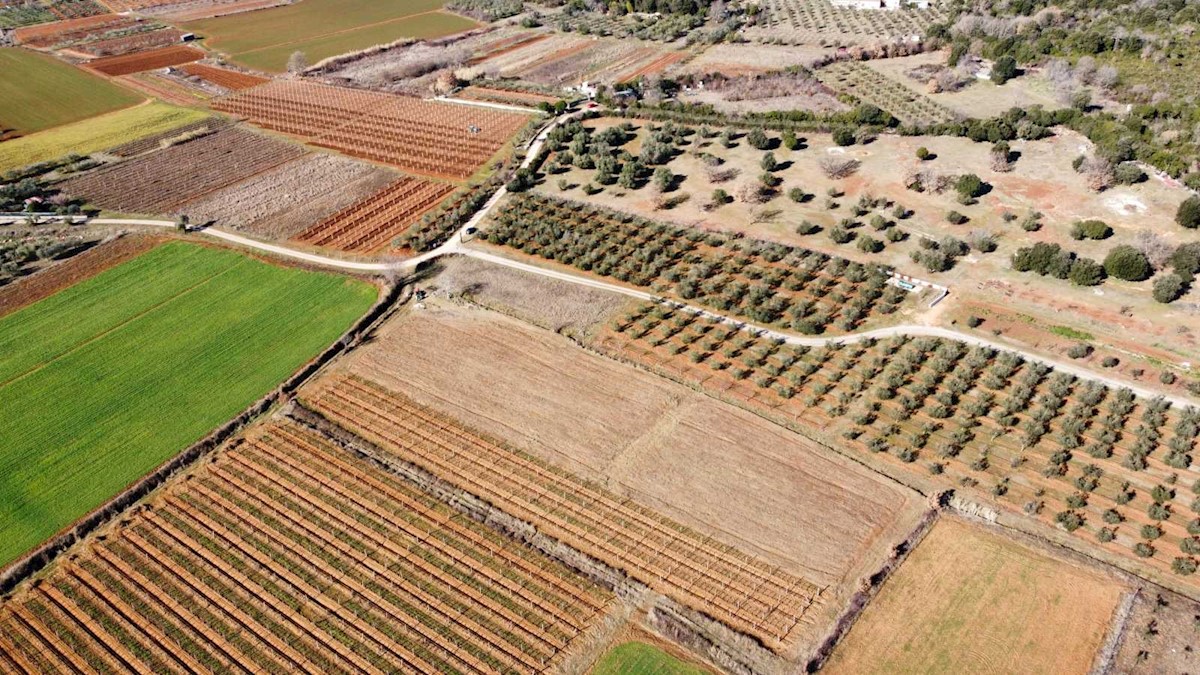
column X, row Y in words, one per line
column 282, row 202
column 820, row 22
column 163, row 181
column 865, row 84
column 373, row 222
column 970, row 601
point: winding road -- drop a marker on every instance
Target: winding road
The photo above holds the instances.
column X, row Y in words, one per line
column 455, row 246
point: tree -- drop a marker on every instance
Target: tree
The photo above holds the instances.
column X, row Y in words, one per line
column 843, row 136
column 1128, row 263
column 969, row 186
column 758, row 140
column 1090, row 229
column 720, row 197
column 768, row 162
column 297, row 62
column 663, row 178
column 1168, row 288
column 183, row 223
column 1188, row 214
column 1004, row 69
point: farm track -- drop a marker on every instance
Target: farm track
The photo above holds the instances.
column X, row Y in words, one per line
column 273, row 558
column 743, row 592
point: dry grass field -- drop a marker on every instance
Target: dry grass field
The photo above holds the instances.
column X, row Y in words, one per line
column 711, row 466
column 1161, row 635
column 969, row 601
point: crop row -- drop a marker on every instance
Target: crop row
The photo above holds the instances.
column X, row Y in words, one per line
column 1091, row 458
column 372, row 223
column 223, row 77
column 801, row 18
column 767, row 282
column 161, row 181
column 871, row 86
column 743, row 592
column 288, row 554
column 430, row 138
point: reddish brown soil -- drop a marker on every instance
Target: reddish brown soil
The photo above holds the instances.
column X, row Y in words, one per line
column 136, row 63
column 222, row 77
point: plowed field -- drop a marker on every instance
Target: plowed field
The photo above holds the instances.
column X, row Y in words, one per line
column 291, row 555
column 372, row 223
column 142, row 61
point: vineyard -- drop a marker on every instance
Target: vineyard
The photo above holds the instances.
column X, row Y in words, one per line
column 743, row 592
column 16, row 13
column 289, row 554
column 1097, row 461
column 870, row 86
column 223, row 77
column 819, row 21
column 169, row 137
column 372, row 223
column 149, row 60
column 769, row 283
column 429, row 138
column 161, row 181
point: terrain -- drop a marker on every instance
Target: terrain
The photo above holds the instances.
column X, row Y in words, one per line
column 39, row 92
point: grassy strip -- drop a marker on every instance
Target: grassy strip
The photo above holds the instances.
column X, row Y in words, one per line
column 117, row 374
column 639, row 658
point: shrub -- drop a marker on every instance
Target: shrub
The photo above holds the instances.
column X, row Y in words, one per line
column 768, row 162
column 843, row 136
column 1143, row 550
column 1079, row 351
column 1128, row 173
column 1183, row 566
column 758, row 140
column 806, row 227
column 974, row 321
column 840, row 235
column 1110, row 362
column 956, row 218
column 1090, row 229
column 1188, row 214
column 895, row 235
column 797, row 195
column 923, row 153
column 1004, row 69
column 1086, row 272
column 720, row 197
column 1168, row 288
column 969, row 186
column 1128, row 263
column 869, row 244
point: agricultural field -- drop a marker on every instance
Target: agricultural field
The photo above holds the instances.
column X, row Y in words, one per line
column 1037, row 198
column 646, row 439
column 747, row 594
column 1160, row 634
column 971, row 601
column 820, row 22
column 163, row 139
column 225, row 78
column 17, row 13
column 150, row 38
column 149, row 60
column 166, row 88
column 639, row 658
column 161, row 182
column 219, row 571
column 323, row 28
column 506, row 96
column 38, row 92
column 164, row 331
column 373, row 222
column 870, row 86
column 282, row 202
column 734, row 59
column 441, row 140
column 96, row 134
column 979, row 98
column 65, row 33
column 768, row 283
column 182, row 10
column 1099, row 462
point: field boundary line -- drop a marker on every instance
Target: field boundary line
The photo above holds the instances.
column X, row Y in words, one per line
column 109, row 331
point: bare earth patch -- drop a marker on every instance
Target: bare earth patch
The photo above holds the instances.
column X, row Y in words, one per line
column 972, row 601
column 1161, row 635
column 712, row 466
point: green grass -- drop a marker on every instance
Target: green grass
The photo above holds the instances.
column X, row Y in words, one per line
column 106, row 380
column 38, row 92
column 1068, row 332
column 95, row 134
column 323, row 28
column 639, row 658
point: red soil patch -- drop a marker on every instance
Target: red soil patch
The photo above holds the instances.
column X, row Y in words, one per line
column 656, row 66
column 136, row 63
column 222, row 77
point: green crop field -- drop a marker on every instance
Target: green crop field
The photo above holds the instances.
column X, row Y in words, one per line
column 323, row 28
column 95, row 134
column 38, row 92
column 639, row 658
column 106, row 380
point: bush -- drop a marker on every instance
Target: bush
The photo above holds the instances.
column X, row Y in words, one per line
column 1004, row 69
column 1090, row 229
column 1128, row 173
column 1128, row 263
column 1078, row 351
column 1188, row 214
column 969, row 186
column 720, row 197
column 1110, row 362
column 843, row 136
column 1168, row 288
column 758, row 140
column 923, row 153
column 840, row 235
column 956, row 218
column 974, row 321
column 806, row 227
column 1086, row 272
column 768, row 162
column 797, row 195
column 869, row 244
